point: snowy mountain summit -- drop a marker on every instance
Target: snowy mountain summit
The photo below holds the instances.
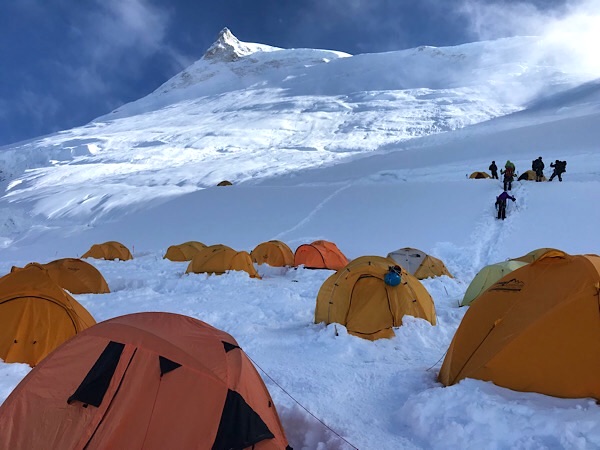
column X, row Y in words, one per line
column 228, row 48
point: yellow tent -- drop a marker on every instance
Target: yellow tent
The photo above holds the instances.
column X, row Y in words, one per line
column 529, row 175
column 36, row 315
column 357, row 297
column 535, row 330
column 109, row 250
column 74, row 275
column 273, row 253
column 183, row 252
column 419, row 263
column 218, row 259
column 225, row 183
column 479, row 175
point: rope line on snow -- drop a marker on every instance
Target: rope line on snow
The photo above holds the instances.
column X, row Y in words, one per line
column 437, row 362
column 299, row 404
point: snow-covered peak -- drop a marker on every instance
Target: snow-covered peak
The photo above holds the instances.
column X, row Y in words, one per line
column 228, row 48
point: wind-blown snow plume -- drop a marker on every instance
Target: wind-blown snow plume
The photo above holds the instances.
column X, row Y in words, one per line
column 571, row 30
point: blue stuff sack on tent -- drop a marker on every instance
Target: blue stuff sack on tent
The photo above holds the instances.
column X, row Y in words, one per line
column 392, row 277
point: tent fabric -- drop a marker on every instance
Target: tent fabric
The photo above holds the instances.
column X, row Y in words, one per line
column 36, row 315
column 184, row 251
column 110, row 250
column 357, row 297
column 479, row 175
column 534, row 255
column 105, row 389
column 219, row 258
column 320, row 255
column 225, row 183
column 529, row 175
column 274, row 253
column 535, row 330
column 488, row 276
column 75, row 275
column 419, row 263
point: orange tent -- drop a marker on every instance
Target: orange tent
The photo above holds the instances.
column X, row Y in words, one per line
column 358, row 298
column 74, row 275
column 536, row 330
column 109, row 250
column 273, row 253
column 184, row 252
column 36, row 316
column 143, row 381
column 219, row 258
column 534, row 255
column 320, row 255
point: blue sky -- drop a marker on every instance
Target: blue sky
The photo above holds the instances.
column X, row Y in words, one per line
column 65, row 62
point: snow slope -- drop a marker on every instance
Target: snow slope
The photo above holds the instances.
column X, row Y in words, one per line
column 304, row 170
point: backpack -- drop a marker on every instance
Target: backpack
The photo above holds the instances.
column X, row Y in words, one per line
column 509, row 172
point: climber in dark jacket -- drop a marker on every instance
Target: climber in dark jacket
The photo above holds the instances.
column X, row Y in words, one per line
column 494, row 169
column 501, row 204
column 538, row 167
column 560, row 167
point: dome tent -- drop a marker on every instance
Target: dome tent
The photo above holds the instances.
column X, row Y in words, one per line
column 225, row 183
column 274, row 253
column 110, row 250
column 419, row 263
column 74, row 275
column 536, row 254
column 535, row 330
column 219, row 259
column 357, row 297
column 36, row 315
column 529, row 175
column 320, row 255
column 480, row 175
column 183, row 252
column 146, row 380
column 488, row 276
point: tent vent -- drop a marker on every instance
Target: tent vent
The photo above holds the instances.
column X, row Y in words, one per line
column 240, row 425
column 96, row 382
column 166, row 365
column 229, row 347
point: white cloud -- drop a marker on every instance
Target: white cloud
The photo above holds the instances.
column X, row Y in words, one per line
column 118, row 26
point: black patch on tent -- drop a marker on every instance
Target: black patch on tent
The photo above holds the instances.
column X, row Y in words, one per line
column 240, row 425
column 166, row 365
column 95, row 384
column 229, row 347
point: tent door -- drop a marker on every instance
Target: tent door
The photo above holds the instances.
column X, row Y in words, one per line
column 112, row 364
column 369, row 310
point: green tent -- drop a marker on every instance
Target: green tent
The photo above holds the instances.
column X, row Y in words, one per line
column 488, row 276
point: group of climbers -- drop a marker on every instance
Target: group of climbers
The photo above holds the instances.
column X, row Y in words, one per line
column 509, row 171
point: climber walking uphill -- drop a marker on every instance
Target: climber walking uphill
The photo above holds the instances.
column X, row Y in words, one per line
column 509, row 175
column 537, row 165
column 560, row 167
column 501, row 204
